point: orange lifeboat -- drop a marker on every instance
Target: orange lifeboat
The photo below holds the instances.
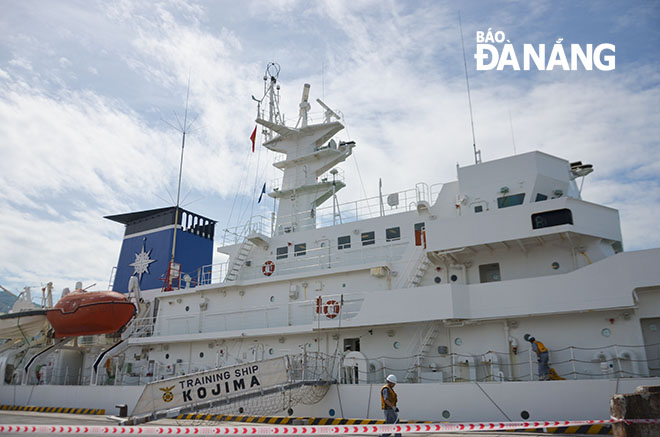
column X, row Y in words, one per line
column 90, row 313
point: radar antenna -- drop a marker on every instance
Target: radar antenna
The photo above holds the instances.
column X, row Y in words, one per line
column 329, row 113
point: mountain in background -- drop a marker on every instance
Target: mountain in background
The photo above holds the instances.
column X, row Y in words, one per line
column 6, row 301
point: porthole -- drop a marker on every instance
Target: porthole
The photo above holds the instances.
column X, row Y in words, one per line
column 167, row 356
column 241, row 410
column 331, row 412
column 524, row 414
column 201, row 354
column 446, row 414
column 290, row 411
column 458, row 341
column 187, row 308
column 437, row 279
column 396, row 345
column 271, row 351
column 606, row 332
column 555, row 265
column 272, row 298
column 454, row 278
column 343, row 285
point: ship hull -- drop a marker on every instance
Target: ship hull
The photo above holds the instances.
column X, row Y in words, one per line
column 465, row 402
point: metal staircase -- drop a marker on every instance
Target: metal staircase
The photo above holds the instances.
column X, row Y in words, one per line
column 418, row 271
column 413, row 374
column 241, row 256
column 107, row 353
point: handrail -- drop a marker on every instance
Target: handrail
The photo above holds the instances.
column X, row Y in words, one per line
column 361, row 209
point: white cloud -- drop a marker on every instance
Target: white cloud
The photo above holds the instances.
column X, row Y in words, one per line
column 21, row 63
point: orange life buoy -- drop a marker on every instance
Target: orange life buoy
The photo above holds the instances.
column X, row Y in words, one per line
column 268, row 268
column 331, row 309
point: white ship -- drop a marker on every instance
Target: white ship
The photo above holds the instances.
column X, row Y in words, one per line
column 437, row 285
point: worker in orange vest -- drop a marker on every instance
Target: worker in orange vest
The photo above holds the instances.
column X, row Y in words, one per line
column 542, row 356
column 388, row 399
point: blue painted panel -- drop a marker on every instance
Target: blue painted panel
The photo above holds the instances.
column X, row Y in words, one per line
column 158, row 246
column 193, row 252
column 154, row 251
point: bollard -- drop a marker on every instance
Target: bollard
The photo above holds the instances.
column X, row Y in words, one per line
column 123, row 410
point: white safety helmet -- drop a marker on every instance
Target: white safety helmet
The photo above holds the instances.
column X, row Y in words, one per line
column 391, row 378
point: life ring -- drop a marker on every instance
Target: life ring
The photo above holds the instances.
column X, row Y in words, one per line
column 268, row 268
column 331, row 309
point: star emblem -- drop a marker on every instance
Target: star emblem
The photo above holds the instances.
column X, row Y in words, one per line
column 141, row 263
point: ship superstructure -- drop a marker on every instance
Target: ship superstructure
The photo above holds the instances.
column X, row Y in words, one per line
column 437, row 285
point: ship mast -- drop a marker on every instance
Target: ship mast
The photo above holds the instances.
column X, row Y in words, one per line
column 309, row 153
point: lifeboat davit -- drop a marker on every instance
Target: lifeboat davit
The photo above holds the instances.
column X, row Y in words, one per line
column 90, row 313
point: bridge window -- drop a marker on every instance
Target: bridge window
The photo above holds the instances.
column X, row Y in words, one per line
column 541, row 197
column 282, row 252
column 368, row 238
column 552, row 218
column 344, row 242
column 513, row 200
column 300, row 249
column 392, row 234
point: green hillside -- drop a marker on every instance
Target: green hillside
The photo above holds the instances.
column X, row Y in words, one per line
column 6, row 301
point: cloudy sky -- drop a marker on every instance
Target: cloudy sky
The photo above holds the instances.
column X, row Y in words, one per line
column 90, row 92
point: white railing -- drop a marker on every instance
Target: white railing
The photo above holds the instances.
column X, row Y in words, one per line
column 435, row 190
column 572, row 363
column 257, row 224
column 391, row 203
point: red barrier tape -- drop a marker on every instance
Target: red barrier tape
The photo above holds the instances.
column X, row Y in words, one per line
column 318, row 430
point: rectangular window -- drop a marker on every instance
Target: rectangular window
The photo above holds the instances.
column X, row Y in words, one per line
column 282, row 252
column 300, row 249
column 344, row 242
column 489, row 272
column 351, row 344
column 512, row 200
column 368, row 238
column 541, row 197
column 392, row 234
column 552, row 218
column 478, row 208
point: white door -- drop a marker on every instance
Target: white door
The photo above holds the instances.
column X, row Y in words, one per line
column 651, row 333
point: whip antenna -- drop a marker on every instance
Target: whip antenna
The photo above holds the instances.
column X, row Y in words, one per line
column 184, row 128
column 477, row 153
